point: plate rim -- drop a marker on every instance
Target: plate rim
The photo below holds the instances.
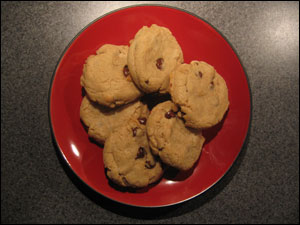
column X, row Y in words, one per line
column 50, row 94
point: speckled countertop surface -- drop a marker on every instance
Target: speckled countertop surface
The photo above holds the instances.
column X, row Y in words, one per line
column 262, row 186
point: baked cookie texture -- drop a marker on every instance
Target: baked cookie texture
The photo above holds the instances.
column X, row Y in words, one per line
column 101, row 121
column 175, row 144
column 106, row 77
column 127, row 156
column 153, row 54
column 200, row 92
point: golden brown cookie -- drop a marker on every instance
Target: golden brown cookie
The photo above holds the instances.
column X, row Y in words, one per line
column 153, row 54
column 175, row 144
column 101, row 121
column 200, row 92
column 106, row 77
column 127, row 156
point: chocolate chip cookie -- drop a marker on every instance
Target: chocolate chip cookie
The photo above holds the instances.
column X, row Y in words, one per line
column 106, row 77
column 175, row 144
column 101, row 121
column 200, row 92
column 153, row 54
column 127, row 156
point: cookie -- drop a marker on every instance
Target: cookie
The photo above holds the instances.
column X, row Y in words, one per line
column 106, row 77
column 127, row 156
column 101, row 121
column 175, row 144
column 153, row 54
column 200, row 92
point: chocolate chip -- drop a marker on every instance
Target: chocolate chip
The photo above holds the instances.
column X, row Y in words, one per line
column 160, row 149
column 148, row 165
column 142, row 120
column 134, row 131
column 200, row 74
column 126, row 71
column 147, row 81
column 212, row 85
column 159, row 63
column 141, row 153
column 170, row 114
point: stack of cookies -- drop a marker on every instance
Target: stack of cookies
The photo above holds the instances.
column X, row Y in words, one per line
column 137, row 142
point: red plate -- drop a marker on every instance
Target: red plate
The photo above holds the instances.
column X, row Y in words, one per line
column 199, row 41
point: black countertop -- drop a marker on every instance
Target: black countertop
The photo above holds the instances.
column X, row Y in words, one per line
column 261, row 187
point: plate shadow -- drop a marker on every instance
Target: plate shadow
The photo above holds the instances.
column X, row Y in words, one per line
column 211, row 132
